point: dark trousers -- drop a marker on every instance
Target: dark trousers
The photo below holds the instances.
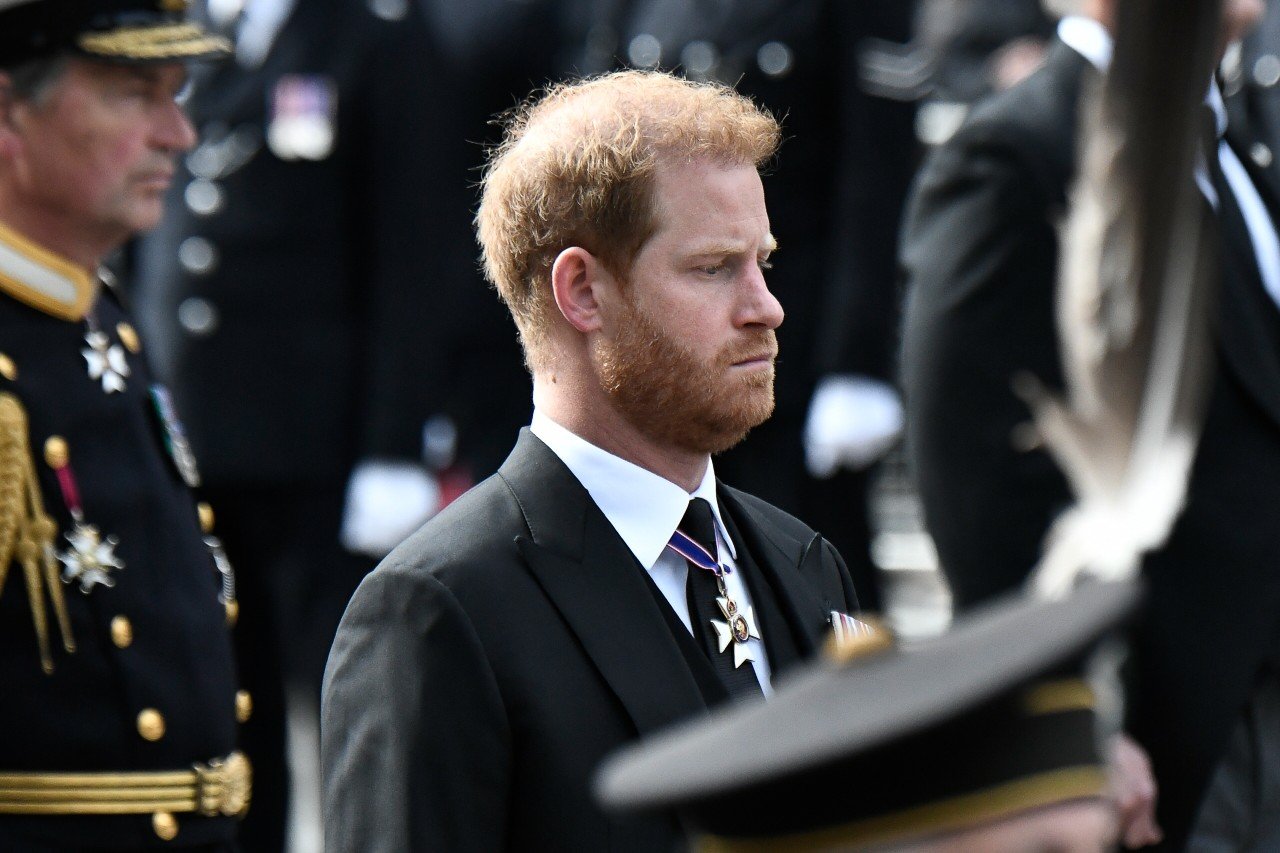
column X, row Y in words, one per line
column 293, row 581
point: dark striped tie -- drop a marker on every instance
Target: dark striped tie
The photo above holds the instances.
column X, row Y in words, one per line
column 701, row 592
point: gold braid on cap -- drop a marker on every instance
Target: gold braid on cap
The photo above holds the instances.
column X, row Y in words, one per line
column 26, row 532
column 172, row 41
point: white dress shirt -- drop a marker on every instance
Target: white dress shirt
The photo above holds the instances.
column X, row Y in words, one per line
column 646, row 509
column 1092, row 41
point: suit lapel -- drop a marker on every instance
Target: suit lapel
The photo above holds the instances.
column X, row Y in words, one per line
column 1250, row 319
column 594, row 581
column 780, row 635
column 783, row 563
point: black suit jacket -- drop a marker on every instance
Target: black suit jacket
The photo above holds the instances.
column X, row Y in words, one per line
column 483, row 671
column 981, row 256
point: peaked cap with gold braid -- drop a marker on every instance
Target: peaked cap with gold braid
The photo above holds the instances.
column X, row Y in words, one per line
column 119, row 31
column 894, row 742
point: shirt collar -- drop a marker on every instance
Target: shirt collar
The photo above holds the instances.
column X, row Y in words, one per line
column 1089, row 38
column 643, row 507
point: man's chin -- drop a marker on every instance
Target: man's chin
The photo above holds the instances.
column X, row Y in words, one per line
column 144, row 213
column 733, row 428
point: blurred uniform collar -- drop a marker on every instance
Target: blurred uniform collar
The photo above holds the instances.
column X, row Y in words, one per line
column 42, row 279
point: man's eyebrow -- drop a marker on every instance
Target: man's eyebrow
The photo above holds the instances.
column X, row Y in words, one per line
column 732, row 248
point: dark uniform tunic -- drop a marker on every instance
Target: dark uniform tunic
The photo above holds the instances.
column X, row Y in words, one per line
column 151, row 684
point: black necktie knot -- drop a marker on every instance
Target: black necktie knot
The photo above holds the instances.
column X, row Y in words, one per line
column 700, row 526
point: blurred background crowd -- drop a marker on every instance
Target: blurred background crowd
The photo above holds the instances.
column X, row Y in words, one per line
column 313, row 296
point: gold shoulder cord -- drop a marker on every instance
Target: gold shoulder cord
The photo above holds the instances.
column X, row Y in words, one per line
column 26, row 532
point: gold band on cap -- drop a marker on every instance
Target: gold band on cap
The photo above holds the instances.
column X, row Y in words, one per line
column 170, row 41
column 950, row 815
column 1056, row 697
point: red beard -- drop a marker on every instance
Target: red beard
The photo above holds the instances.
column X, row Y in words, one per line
column 669, row 395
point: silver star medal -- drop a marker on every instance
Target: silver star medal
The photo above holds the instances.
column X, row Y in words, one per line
column 90, row 559
column 740, row 626
column 106, row 361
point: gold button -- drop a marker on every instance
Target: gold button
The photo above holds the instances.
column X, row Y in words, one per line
column 56, row 452
column 165, row 825
column 205, row 512
column 122, row 632
column 244, row 706
column 8, row 369
column 233, row 613
column 129, row 337
column 151, row 724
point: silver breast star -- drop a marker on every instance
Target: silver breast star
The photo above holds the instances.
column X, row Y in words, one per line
column 90, row 559
column 106, row 361
column 740, row 625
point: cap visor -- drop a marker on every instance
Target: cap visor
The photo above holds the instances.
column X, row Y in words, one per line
column 833, row 710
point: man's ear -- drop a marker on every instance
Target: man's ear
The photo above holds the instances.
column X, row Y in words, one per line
column 576, row 279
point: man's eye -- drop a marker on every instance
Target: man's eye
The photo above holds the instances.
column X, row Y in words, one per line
column 711, row 269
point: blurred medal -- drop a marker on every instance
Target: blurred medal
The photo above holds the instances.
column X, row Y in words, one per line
column 302, row 117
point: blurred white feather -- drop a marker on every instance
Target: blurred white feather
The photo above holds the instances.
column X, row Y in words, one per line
column 1136, row 287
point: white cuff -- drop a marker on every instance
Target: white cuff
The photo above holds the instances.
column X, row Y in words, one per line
column 852, row 422
column 386, row 501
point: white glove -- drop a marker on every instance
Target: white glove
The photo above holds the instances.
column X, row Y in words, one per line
column 386, row 501
column 852, row 421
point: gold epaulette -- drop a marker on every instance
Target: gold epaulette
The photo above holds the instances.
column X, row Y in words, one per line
column 26, row 531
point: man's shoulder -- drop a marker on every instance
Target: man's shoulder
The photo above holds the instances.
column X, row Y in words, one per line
column 770, row 517
column 469, row 540
column 1020, row 141
column 1038, row 114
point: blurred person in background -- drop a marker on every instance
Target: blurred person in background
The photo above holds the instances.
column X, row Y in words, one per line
column 981, row 253
column 976, row 47
column 298, row 315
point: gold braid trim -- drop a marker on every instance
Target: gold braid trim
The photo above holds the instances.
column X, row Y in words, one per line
column 1057, row 697
column 224, row 786
column 172, row 41
column 957, row 814
column 26, row 532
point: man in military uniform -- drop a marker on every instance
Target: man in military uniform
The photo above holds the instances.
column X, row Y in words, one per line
column 120, row 711
column 298, row 316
